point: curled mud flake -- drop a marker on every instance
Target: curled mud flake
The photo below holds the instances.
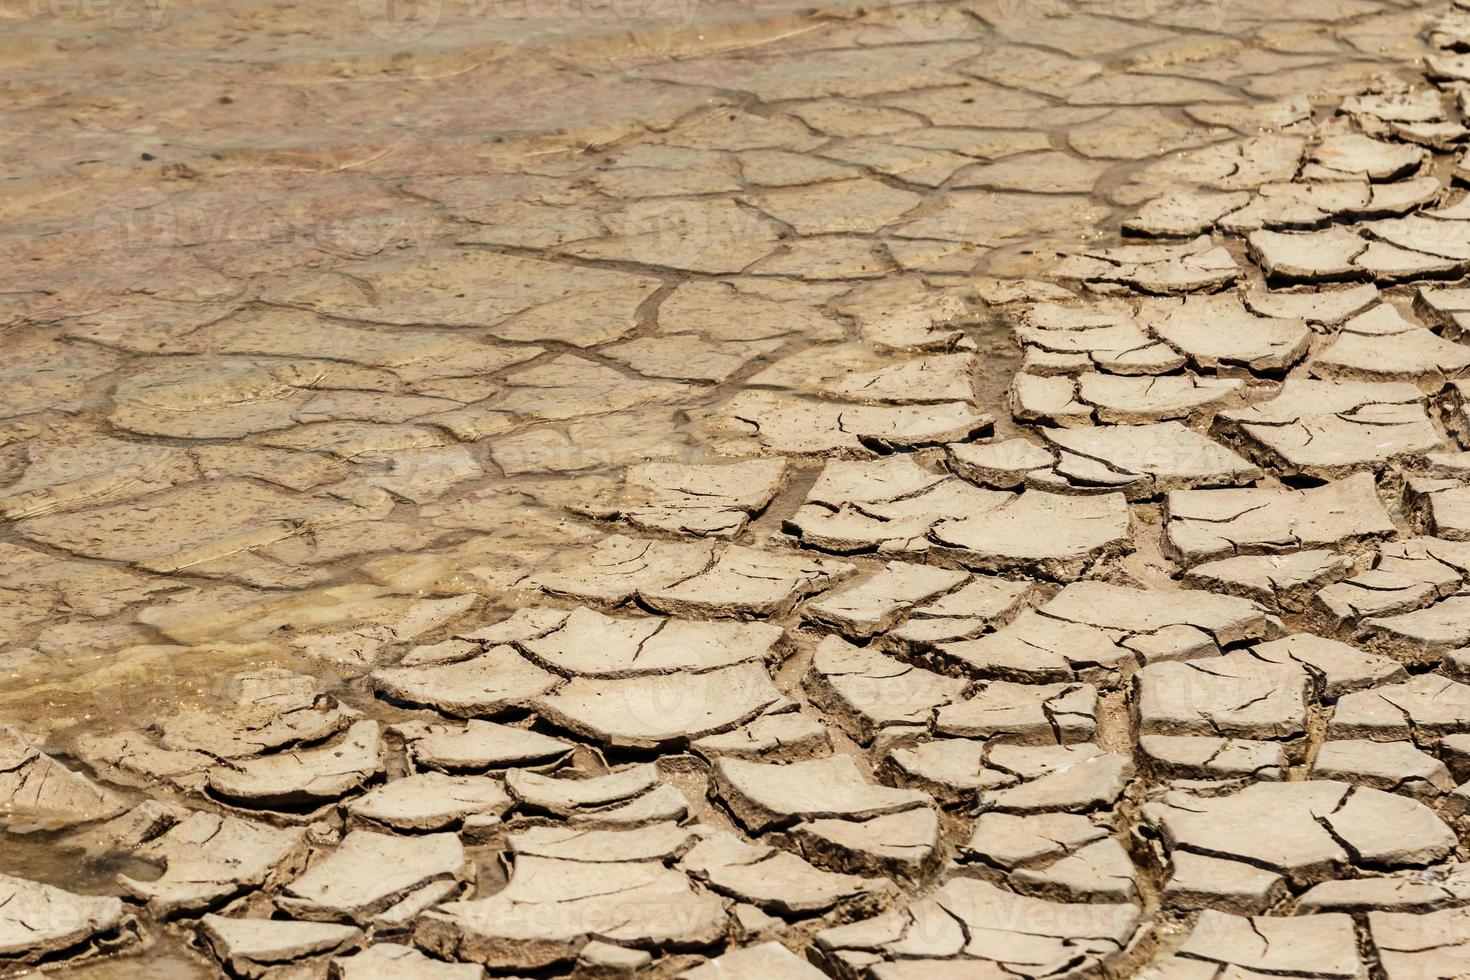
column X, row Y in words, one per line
column 772, row 423
column 1303, row 206
column 1089, row 630
column 1445, row 308
column 499, row 681
column 873, row 697
column 1052, row 400
column 388, row 961
column 1051, row 535
column 1145, row 461
column 633, row 795
column 1281, row 583
column 1395, row 767
column 747, row 582
column 429, row 801
column 302, row 778
column 1198, row 881
column 210, row 859
column 591, row 644
column 714, row 500
column 253, row 947
column 1416, row 890
column 552, row 907
column 659, row 710
column 1434, row 135
column 1138, row 400
column 1323, row 829
column 1346, row 155
column 1405, row 105
column 1057, row 779
column 1006, row 841
column 973, row 922
column 39, row 923
column 39, row 793
column 781, row 736
column 1032, row 714
column 1064, row 340
column 1184, row 214
column 662, row 842
column 1328, row 429
column 895, row 506
column 1218, row 332
column 1420, row 944
column 1381, row 345
column 1238, row 164
column 878, row 603
column 777, row 881
column 1209, row 524
column 1404, row 575
column 1003, row 465
column 1420, row 708
column 1235, row 694
column 617, row 567
column 1096, row 872
column 980, row 606
column 1166, row 757
column 905, row 844
column 689, row 579
column 763, row 795
column 767, row 961
column 128, row 832
column 1316, row 256
column 949, row 769
column 1159, row 270
column 368, row 872
column 1424, row 634
column 1336, row 668
column 1443, row 505
column 1320, row 308
column 1301, row 946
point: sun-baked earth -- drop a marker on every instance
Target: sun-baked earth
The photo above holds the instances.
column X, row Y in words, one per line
column 958, row 490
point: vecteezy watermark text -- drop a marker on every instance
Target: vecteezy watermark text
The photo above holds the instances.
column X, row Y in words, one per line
column 403, row 21
column 145, row 15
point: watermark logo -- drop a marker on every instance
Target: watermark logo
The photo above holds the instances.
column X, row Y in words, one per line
column 400, row 21
column 937, row 20
column 136, row 226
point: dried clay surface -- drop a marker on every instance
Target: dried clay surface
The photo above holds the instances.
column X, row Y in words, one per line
column 960, row 490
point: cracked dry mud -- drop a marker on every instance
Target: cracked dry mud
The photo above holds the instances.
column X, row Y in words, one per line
column 884, row 492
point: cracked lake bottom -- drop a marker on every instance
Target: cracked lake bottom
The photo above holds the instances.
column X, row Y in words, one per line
column 889, row 492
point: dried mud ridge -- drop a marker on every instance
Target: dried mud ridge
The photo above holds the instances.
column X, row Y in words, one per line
column 910, row 493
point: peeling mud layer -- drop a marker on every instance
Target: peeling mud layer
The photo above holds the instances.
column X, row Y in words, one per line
column 727, row 490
